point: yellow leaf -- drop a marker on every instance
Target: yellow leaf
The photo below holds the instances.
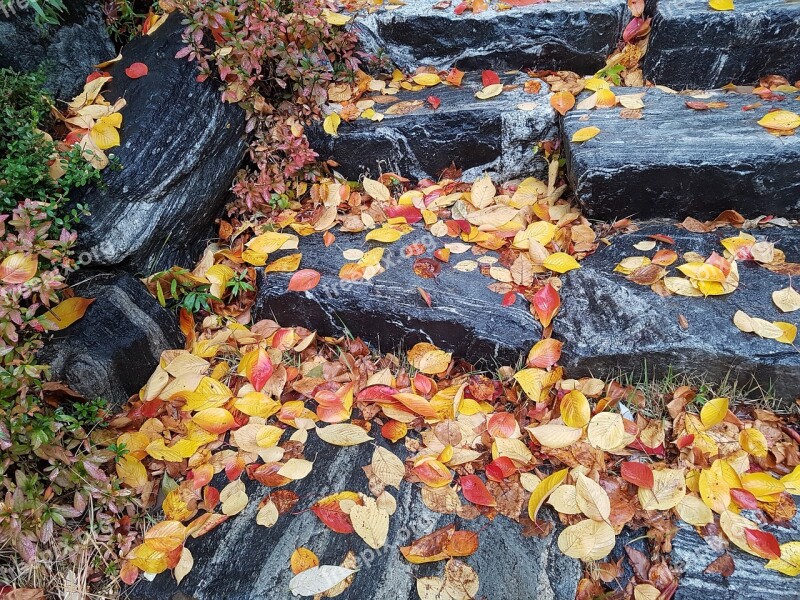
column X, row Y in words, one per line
column 376, row 189
column 645, row 591
column 371, row 258
column 214, row 420
column 370, row 522
column 331, row 124
column 792, row 481
column 65, row 314
column 682, row 287
column 605, row 98
column 753, row 442
column 490, row 91
column 385, row 234
column 343, row 434
column 148, row 559
column 564, row 500
column 781, row 120
column 669, row 488
column 714, row 490
column 595, row 83
column 542, row 491
column 104, row 134
column 592, row 499
column 694, row 511
column 272, row 241
column 429, row 359
column 131, row 471
column 233, row 498
column 18, row 267
column 286, row 264
column 714, row 412
column 702, row 272
column 762, row 485
column 532, row 382
column 303, row 559
column 575, row 409
column 789, row 332
column 721, row 4
column 209, row 394
column 554, row 435
column 789, row 562
column 560, row 262
column 256, row 404
column 296, row 468
column 165, row 536
column 733, row 526
column 587, row 540
column 335, row 18
column 606, row 431
column 426, row 79
column 585, row 134
column 219, row 276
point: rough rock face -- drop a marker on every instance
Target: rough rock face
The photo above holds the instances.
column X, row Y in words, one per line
column 181, row 147
column 241, row 560
column 67, row 53
column 678, row 162
column 388, row 311
column 610, row 324
column 573, row 35
column 496, row 135
column 113, row 350
column 692, row 46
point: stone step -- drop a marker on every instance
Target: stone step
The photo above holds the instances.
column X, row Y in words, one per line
column 608, row 324
column 388, row 310
column 678, row 162
column 575, row 35
column 497, row 135
column 240, row 560
column 694, row 46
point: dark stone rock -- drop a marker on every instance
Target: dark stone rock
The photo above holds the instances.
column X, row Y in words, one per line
column 112, row 351
column 67, row 53
column 679, row 162
column 576, row 36
column 181, row 147
column 241, row 560
column 749, row 581
column 693, row 46
column 476, row 135
column 612, row 325
column 388, row 311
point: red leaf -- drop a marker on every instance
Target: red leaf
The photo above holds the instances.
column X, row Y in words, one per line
column 638, row 474
column 425, row 296
column 638, row 27
column 460, row 8
column 328, row 238
column 333, row 516
column 422, row 384
column 490, row 78
column 260, row 370
column 454, row 77
column 475, row 491
column 97, row 74
column 500, row 468
column 410, row 213
column 660, row 237
column 304, row 280
column 137, row 70
column 414, row 250
column 546, row 303
column 434, row 101
column 685, row 440
column 509, row 298
column 762, row 543
column 744, row 499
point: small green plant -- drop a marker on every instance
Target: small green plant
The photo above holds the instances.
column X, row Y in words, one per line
column 48, row 12
column 613, row 73
column 176, row 288
column 239, row 285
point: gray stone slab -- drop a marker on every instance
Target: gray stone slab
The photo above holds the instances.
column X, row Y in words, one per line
column 694, row 46
column 575, row 35
column 111, row 352
column 478, row 136
column 181, row 147
column 241, row 560
column 388, row 311
column 678, row 162
column 610, row 324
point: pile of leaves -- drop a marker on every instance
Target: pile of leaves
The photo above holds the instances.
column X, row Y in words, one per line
column 276, row 59
column 242, row 402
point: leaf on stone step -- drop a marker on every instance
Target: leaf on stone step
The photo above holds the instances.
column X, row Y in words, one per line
column 426, row 79
column 303, row 559
column 546, row 303
column 721, row 4
column 475, row 491
column 780, row 120
column 787, row 299
column 65, row 313
column 387, row 467
column 734, row 527
column 370, row 522
column 318, row 580
column 694, row 511
column 331, row 124
column 137, row 70
column 763, row 544
column 543, row 490
column 560, row 262
column 490, row 91
column 385, row 234
column 304, row 280
column 789, row 562
column 343, row 434
column 405, row 107
column 584, row 134
column 587, row 540
column 562, row 102
column 376, row 189
column 286, row 264
column 268, row 514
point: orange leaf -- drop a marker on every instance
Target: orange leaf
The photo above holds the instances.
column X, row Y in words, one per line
column 65, row 314
column 545, row 353
column 18, row 267
column 562, row 102
column 394, row 430
column 304, row 280
column 257, row 367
